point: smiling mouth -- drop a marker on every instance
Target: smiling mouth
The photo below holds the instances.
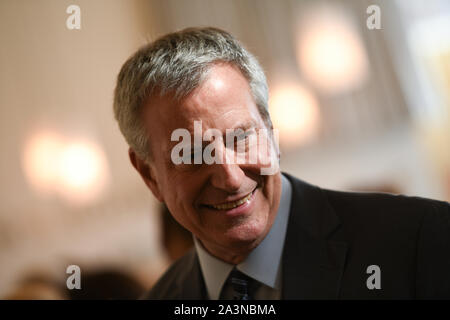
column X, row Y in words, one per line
column 232, row 204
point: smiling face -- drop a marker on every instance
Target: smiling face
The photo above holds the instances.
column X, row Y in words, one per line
column 228, row 207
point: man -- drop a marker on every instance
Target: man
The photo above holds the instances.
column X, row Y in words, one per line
column 259, row 235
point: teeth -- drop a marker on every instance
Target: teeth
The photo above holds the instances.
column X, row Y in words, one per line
column 231, row 205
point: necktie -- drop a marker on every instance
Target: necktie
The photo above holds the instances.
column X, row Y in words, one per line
column 241, row 284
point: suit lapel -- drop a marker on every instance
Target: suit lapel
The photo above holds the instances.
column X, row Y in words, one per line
column 192, row 285
column 313, row 257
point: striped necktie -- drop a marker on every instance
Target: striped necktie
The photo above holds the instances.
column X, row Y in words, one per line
column 242, row 285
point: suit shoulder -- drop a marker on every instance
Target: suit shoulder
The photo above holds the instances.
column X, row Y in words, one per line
column 385, row 204
column 398, row 218
column 167, row 286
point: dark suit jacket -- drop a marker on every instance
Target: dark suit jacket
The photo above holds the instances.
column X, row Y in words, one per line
column 332, row 238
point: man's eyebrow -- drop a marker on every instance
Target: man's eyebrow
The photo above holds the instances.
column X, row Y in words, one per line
column 251, row 124
column 245, row 125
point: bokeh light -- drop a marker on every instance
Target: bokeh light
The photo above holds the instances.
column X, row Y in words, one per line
column 40, row 158
column 330, row 52
column 76, row 170
column 82, row 171
column 295, row 113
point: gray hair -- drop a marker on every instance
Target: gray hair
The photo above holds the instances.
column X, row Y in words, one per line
column 177, row 63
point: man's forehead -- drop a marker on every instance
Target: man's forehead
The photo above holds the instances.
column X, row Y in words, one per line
column 230, row 115
column 222, row 101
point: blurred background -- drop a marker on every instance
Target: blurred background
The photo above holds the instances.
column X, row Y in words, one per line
column 359, row 89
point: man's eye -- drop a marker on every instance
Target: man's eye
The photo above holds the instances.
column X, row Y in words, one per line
column 244, row 136
column 242, row 142
column 196, row 153
column 241, row 137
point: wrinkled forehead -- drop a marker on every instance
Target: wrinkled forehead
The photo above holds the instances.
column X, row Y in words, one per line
column 163, row 117
column 223, row 101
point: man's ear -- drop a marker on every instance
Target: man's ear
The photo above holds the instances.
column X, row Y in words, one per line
column 146, row 173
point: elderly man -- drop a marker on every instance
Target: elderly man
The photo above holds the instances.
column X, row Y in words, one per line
column 261, row 234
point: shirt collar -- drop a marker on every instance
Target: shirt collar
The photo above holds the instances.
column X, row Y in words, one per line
column 262, row 264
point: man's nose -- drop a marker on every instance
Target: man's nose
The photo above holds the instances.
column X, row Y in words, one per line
column 227, row 177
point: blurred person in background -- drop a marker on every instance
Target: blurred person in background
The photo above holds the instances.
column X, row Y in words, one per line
column 176, row 240
column 102, row 284
column 37, row 286
column 107, row 284
column 260, row 236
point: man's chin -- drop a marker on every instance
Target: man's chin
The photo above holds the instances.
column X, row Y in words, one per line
column 243, row 237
